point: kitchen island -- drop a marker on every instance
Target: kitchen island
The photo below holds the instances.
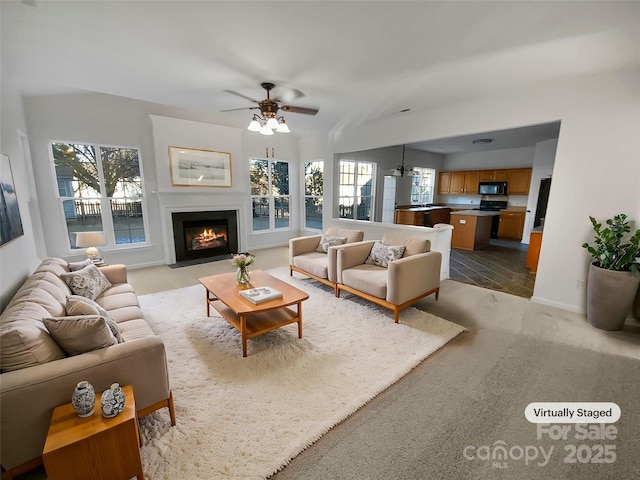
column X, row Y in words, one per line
column 471, row 228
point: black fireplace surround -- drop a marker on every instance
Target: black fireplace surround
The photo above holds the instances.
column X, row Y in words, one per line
column 220, row 220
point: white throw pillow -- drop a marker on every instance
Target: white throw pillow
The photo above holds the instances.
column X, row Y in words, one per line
column 81, row 333
column 382, row 255
column 88, row 282
column 330, row 241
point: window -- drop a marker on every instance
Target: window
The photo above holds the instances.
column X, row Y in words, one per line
column 422, row 185
column 100, row 189
column 269, row 193
column 356, row 190
column 313, row 189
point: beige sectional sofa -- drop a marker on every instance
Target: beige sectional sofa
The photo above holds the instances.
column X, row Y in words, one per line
column 38, row 373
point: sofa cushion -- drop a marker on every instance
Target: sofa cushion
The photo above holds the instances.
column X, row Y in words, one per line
column 75, row 266
column 381, row 254
column 367, row 278
column 79, row 305
column 330, row 241
column 88, row 282
column 24, row 340
column 80, row 333
column 413, row 246
column 313, row 263
column 352, row 235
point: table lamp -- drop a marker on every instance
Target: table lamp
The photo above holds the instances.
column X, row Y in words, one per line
column 91, row 240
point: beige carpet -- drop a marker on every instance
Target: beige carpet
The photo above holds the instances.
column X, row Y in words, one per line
column 245, row 418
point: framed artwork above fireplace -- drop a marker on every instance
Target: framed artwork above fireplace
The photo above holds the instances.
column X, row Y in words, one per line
column 199, row 168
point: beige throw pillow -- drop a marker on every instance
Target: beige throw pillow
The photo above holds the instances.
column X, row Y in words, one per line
column 88, row 282
column 81, row 333
column 79, row 305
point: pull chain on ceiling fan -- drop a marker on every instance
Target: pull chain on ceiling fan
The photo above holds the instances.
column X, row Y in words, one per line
column 268, row 120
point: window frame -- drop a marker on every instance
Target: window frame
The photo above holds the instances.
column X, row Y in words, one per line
column 355, row 185
column 430, row 185
column 320, row 164
column 271, row 197
column 106, row 214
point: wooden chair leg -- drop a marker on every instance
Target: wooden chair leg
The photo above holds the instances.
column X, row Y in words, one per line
column 172, row 412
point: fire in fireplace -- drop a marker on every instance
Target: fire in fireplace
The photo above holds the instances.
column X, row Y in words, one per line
column 204, row 234
column 204, row 238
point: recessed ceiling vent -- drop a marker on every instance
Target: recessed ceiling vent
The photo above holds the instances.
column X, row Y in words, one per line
column 482, row 141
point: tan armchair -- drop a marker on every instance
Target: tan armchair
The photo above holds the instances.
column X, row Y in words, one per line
column 305, row 257
column 401, row 283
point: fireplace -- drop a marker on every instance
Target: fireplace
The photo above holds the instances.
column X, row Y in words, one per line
column 200, row 235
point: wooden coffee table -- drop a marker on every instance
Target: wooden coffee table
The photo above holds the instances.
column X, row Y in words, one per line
column 251, row 320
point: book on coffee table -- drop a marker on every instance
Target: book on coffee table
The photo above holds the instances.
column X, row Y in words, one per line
column 260, row 294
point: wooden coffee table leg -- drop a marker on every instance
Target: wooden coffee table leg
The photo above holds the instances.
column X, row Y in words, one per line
column 243, row 333
column 299, row 319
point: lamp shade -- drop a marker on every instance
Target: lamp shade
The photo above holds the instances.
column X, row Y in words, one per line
column 265, row 130
column 90, row 239
column 272, row 123
column 254, row 126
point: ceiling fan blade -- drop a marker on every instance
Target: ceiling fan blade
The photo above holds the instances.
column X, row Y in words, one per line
column 284, row 94
column 241, row 95
column 305, row 110
column 242, row 108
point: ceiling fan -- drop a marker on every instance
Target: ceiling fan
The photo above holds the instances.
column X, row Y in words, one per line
column 268, row 120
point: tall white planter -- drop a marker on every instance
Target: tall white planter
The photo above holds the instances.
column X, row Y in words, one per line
column 610, row 295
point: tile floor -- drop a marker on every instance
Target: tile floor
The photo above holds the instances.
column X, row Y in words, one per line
column 499, row 266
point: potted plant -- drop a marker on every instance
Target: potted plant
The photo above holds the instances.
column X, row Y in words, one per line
column 613, row 275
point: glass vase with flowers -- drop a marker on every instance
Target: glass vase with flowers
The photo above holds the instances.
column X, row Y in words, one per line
column 241, row 261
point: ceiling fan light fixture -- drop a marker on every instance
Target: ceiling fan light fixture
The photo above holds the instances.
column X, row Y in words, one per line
column 254, row 126
column 272, row 123
column 265, row 130
column 282, row 126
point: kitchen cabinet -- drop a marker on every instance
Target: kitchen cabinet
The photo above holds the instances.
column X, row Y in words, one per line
column 422, row 216
column 518, row 181
column 464, row 182
column 533, row 253
column 511, row 224
column 444, row 182
column 471, row 229
column 493, row 175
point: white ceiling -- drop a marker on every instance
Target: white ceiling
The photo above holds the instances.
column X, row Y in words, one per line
column 357, row 62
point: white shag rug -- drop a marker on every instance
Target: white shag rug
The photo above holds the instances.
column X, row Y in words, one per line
column 246, row 418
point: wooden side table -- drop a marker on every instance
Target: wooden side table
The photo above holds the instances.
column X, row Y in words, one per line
column 94, row 447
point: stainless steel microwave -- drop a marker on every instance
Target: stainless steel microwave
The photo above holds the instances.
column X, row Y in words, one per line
column 492, row 188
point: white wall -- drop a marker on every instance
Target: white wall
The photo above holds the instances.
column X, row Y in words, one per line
column 20, row 256
column 596, row 168
column 151, row 128
column 490, row 159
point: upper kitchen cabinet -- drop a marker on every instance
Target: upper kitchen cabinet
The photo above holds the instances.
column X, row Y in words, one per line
column 493, row 175
column 464, row 182
column 444, row 182
column 518, row 181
